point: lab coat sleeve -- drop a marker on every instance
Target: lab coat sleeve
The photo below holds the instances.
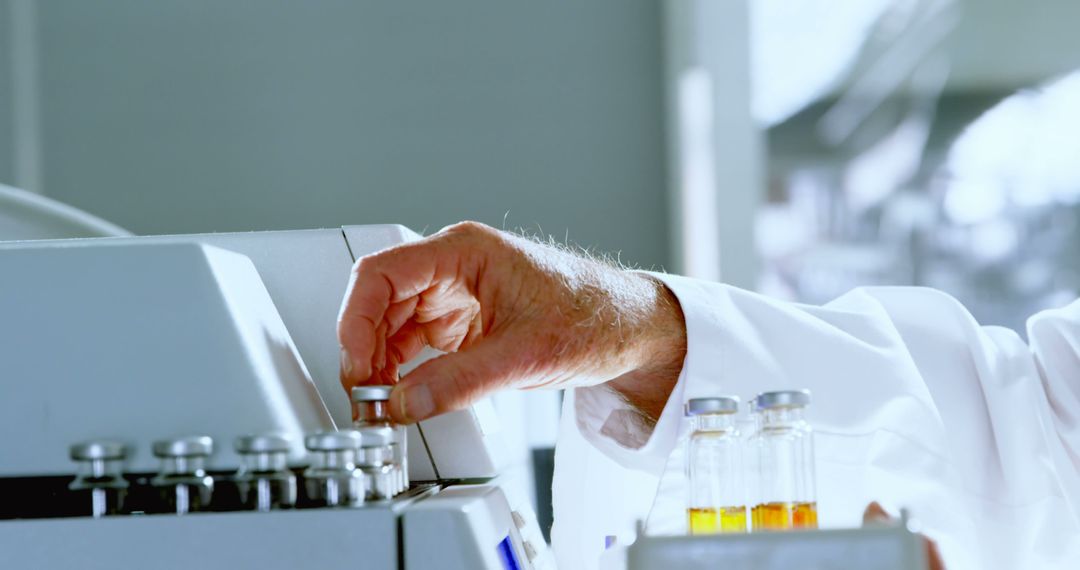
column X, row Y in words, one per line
column 915, row 405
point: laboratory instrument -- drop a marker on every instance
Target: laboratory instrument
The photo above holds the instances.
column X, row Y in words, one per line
column 142, row 341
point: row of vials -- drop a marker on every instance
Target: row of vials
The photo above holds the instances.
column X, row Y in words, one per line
column 761, row 464
column 347, row 468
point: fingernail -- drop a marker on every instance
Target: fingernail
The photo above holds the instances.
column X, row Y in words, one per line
column 416, row 403
column 346, row 362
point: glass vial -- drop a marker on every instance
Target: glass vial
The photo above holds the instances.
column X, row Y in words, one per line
column 264, row 480
column 381, row 474
column 785, row 496
column 183, row 484
column 370, row 408
column 716, row 499
column 333, row 479
column 100, row 481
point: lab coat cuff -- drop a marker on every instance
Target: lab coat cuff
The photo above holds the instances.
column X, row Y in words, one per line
column 611, row 425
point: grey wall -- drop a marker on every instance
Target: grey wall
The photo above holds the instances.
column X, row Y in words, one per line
column 201, row 115
column 7, row 149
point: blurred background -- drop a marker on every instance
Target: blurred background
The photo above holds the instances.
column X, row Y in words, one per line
column 796, row 147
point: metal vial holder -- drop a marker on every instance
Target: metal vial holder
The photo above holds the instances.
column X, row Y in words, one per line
column 100, row 476
column 376, row 460
column 371, row 409
column 333, row 479
column 182, row 483
column 264, row 480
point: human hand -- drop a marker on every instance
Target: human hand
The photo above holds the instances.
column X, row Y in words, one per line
column 509, row 313
column 875, row 513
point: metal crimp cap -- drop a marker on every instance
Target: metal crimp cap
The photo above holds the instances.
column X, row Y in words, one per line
column 375, row 393
column 91, row 450
column 783, row 399
column 717, row 405
column 333, row 440
column 265, row 443
column 193, row 446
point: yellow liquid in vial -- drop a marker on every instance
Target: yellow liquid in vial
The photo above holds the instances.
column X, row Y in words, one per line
column 784, row 516
column 717, row 520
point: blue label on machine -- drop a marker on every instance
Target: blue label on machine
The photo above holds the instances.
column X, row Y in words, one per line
column 506, row 554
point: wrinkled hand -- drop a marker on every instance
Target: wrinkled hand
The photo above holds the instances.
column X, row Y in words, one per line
column 875, row 513
column 509, row 313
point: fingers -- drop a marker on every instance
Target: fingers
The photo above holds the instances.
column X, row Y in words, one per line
column 415, row 295
column 399, row 313
column 377, row 283
column 875, row 513
column 451, row 382
column 933, row 555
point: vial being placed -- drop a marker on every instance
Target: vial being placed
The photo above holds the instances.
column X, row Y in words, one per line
column 100, row 481
column 716, row 499
column 264, row 479
column 333, row 479
column 376, row 460
column 783, row 448
column 183, row 484
column 370, row 407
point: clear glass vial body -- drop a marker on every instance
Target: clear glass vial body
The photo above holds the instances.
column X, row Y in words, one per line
column 716, row 500
column 785, row 494
column 334, row 479
column 377, row 459
column 264, row 480
column 370, row 408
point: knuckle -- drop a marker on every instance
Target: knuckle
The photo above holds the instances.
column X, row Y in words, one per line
column 364, row 265
column 469, row 228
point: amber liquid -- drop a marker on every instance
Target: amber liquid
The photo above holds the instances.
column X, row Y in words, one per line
column 784, row 516
column 717, row 520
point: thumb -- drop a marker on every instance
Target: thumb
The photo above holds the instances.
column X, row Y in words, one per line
column 451, row 381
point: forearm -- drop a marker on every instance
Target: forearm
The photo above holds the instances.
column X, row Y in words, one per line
column 659, row 347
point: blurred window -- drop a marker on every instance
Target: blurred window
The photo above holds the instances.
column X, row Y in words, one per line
column 921, row 142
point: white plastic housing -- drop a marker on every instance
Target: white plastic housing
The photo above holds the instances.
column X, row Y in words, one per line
column 137, row 343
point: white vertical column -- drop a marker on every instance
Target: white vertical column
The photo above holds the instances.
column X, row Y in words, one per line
column 715, row 147
column 26, row 136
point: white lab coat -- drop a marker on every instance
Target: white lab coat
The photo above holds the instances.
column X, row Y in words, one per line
column 914, row 405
